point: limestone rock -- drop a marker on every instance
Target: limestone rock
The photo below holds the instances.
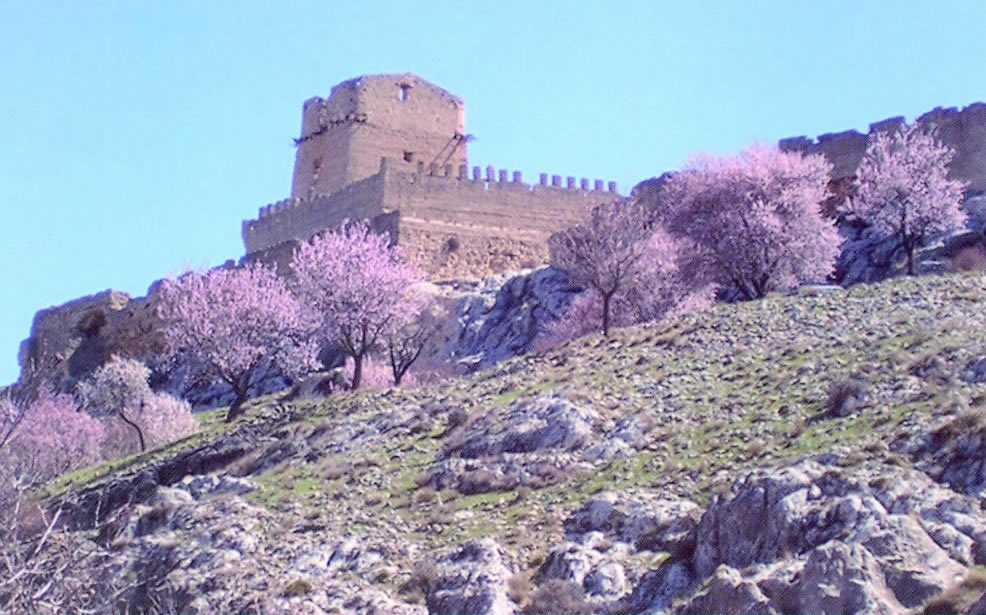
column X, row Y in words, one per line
column 853, row 546
column 544, row 422
column 839, row 578
column 472, row 579
column 601, row 577
column 645, row 521
column 728, row 592
column 500, row 317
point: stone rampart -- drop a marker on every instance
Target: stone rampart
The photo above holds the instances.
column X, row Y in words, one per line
column 493, row 198
column 303, row 218
column 963, row 130
column 478, row 209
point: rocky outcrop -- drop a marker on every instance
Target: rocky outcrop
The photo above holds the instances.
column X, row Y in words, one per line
column 499, row 317
column 471, row 579
column 809, row 538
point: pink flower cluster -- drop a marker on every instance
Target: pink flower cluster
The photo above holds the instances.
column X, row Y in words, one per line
column 52, row 437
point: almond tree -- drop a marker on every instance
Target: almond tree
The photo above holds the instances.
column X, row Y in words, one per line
column 658, row 287
column 355, row 282
column 604, row 253
column 229, row 323
column 411, row 331
column 753, row 220
column 904, row 189
column 120, row 390
column 46, row 437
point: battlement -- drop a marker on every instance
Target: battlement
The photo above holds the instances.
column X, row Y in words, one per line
column 492, row 177
column 964, row 130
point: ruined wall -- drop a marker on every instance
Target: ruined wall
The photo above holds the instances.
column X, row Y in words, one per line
column 963, row 130
column 402, row 117
column 70, row 340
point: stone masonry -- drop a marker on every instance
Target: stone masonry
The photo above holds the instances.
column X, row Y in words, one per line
column 962, row 130
column 391, row 149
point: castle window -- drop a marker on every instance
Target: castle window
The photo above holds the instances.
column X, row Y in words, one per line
column 408, row 156
column 403, row 90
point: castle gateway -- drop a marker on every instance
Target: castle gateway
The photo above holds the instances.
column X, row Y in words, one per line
column 392, row 150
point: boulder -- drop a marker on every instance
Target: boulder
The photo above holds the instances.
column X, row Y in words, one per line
column 849, row 546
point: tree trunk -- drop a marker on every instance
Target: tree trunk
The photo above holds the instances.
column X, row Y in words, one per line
column 236, row 408
column 606, row 299
column 357, row 372
column 910, row 257
column 140, row 433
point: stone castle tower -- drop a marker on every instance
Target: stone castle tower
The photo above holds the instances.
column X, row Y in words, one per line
column 401, row 117
column 391, row 150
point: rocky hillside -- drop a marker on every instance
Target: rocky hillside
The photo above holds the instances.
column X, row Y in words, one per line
column 819, row 453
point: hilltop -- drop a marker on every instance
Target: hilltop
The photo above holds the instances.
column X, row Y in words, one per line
column 819, row 452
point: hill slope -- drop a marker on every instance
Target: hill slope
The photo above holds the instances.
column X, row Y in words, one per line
column 740, row 459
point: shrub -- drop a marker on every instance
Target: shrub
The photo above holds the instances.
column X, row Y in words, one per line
column 844, row 396
column 423, row 576
column 960, row 597
column 519, row 588
column 298, row 588
column 558, row 597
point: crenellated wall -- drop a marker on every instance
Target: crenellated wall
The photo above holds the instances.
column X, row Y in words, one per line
column 436, row 205
column 963, row 130
column 303, row 218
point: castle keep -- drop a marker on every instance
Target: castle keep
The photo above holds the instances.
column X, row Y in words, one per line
column 392, row 150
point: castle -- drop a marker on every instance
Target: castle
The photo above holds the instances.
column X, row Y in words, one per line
column 392, row 150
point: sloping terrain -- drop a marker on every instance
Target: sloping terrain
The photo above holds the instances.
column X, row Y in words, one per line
column 821, row 452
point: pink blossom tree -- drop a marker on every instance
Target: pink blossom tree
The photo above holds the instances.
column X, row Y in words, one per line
column 355, row 282
column 604, row 253
column 47, row 436
column 904, row 189
column 658, row 288
column 412, row 329
column 228, row 323
column 119, row 390
column 753, row 221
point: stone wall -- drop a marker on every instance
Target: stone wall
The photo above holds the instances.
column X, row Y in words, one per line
column 963, row 130
column 302, row 219
column 402, row 117
column 497, row 218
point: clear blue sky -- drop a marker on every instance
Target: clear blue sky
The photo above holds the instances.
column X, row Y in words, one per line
column 135, row 136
